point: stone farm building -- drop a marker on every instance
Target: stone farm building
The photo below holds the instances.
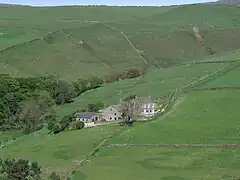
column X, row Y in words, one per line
column 145, row 108
column 89, row 118
column 112, row 113
column 148, row 107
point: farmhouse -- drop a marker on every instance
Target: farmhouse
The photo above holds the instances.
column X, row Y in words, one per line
column 89, row 118
column 112, row 113
column 147, row 106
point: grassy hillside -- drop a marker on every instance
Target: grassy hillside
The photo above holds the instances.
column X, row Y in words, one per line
column 61, row 153
column 112, row 38
column 85, row 41
column 197, row 117
column 56, row 152
column 158, row 84
column 210, row 117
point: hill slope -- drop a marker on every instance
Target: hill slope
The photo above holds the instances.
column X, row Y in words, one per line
column 112, row 38
column 230, row 2
column 196, row 117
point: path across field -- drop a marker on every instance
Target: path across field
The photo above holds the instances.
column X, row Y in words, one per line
column 174, row 145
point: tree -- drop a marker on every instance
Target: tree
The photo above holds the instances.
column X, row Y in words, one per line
column 59, row 90
column 94, row 82
column 132, row 73
column 12, row 169
column 57, row 128
column 31, row 115
column 64, row 92
column 79, row 124
column 95, row 107
column 51, row 120
column 129, row 108
column 80, row 86
column 54, row 176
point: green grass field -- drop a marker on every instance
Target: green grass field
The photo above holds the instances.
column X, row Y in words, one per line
column 164, row 164
column 57, row 152
column 196, row 117
column 230, row 79
column 113, row 38
column 199, row 117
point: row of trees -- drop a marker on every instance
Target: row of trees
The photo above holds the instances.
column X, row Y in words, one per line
column 20, row 169
column 26, row 103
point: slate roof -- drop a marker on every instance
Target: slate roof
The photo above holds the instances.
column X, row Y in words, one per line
column 86, row 115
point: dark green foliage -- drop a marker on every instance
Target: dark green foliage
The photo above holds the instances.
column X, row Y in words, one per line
column 94, row 82
column 59, row 90
column 127, row 74
column 51, row 120
column 79, row 125
column 95, row 107
column 12, row 169
column 63, row 93
column 54, row 176
column 32, row 113
column 80, row 86
column 57, row 128
column 26, row 102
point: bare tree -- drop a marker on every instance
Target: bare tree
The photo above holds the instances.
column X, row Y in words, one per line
column 129, row 108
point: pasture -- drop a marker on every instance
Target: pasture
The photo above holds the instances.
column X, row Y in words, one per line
column 75, row 42
column 209, row 117
column 164, row 164
column 78, row 43
column 57, row 152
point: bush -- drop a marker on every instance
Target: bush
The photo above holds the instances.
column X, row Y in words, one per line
column 57, row 128
column 94, row 82
column 19, row 169
column 79, row 125
column 95, row 107
column 127, row 74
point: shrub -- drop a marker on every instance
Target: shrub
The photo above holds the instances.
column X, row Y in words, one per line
column 57, row 128
column 127, row 74
column 19, row 169
column 79, row 125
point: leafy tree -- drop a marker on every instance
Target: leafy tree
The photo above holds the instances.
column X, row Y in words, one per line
column 12, row 169
column 63, row 92
column 80, row 86
column 94, row 82
column 95, row 107
column 32, row 112
column 51, row 120
column 79, row 124
column 57, row 128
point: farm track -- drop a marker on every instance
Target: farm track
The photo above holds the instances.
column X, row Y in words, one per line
column 173, row 145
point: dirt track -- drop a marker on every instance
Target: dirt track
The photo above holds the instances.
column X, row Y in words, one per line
column 174, row 145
